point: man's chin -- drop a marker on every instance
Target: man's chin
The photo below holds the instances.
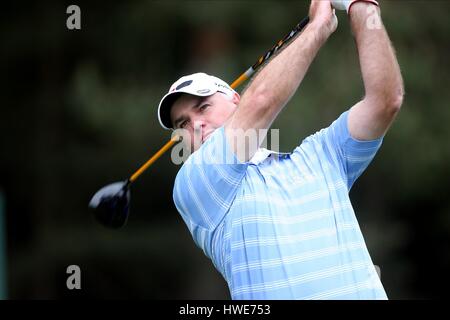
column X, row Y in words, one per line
column 202, row 141
column 206, row 137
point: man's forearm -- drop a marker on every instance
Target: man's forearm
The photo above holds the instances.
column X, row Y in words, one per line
column 275, row 84
column 380, row 70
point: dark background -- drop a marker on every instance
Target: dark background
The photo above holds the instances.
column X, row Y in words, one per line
column 78, row 111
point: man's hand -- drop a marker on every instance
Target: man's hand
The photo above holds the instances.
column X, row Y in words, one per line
column 321, row 13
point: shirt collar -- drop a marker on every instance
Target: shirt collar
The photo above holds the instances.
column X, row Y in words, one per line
column 263, row 154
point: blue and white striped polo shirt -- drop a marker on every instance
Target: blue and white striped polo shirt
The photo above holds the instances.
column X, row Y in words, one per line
column 284, row 227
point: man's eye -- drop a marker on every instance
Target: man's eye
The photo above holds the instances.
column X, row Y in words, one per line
column 203, row 107
column 183, row 124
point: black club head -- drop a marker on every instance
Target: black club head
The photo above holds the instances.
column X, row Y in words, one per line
column 111, row 204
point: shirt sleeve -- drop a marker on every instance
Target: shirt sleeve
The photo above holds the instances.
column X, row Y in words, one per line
column 350, row 156
column 206, row 186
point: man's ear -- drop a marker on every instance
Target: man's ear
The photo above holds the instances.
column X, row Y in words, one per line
column 236, row 98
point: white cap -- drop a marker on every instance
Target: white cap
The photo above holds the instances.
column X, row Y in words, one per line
column 197, row 84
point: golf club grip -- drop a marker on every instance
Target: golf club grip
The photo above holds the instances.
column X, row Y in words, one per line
column 243, row 77
column 250, row 71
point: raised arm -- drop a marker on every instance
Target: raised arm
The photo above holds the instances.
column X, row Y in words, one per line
column 371, row 118
column 276, row 83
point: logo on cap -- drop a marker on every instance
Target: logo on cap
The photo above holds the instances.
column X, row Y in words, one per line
column 184, row 84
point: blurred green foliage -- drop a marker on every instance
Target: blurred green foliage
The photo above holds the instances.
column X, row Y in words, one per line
column 79, row 111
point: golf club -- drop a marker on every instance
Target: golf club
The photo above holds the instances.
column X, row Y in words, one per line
column 111, row 203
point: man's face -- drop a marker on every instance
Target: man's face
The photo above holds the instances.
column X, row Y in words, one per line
column 202, row 115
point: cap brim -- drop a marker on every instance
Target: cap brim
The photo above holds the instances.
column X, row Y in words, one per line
column 164, row 109
column 169, row 99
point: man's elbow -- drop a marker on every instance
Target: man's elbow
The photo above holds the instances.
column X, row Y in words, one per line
column 394, row 101
column 390, row 101
column 387, row 103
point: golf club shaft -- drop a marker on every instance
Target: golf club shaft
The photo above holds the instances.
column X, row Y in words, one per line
column 155, row 157
column 250, row 71
column 242, row 78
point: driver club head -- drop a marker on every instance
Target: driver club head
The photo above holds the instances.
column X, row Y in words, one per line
column 111, row 204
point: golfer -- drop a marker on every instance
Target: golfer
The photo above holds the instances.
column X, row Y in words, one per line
column 282, row 226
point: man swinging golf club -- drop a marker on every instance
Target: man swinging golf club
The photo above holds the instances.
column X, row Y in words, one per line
column 282, row 226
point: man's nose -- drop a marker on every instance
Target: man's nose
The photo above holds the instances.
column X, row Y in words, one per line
column 198, row 125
